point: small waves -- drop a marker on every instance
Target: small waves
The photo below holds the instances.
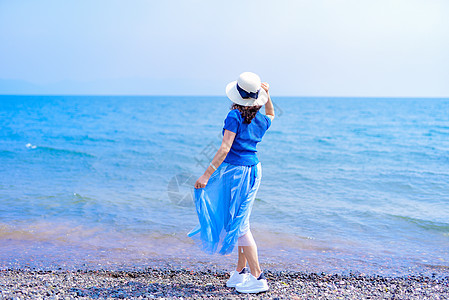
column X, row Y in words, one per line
column 425, row 224
column 6, row 153
column 87, row 138
column 324, row 141
column 59, row 151
column 438, row 130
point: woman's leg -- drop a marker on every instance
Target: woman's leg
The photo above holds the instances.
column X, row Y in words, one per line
column 247, row 243
column 241, row 263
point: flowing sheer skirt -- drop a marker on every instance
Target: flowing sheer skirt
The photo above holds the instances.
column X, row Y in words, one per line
column 224, row 207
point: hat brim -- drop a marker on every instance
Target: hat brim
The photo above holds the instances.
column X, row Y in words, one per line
column 234, row 95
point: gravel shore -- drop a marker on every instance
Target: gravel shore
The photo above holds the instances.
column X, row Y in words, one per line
column 188, row 284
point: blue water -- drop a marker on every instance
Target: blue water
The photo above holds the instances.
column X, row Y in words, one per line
column 348, row 184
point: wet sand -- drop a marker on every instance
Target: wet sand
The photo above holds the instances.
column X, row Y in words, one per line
column 172, row 283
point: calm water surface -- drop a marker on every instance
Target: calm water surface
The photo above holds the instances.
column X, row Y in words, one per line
column 348, row 184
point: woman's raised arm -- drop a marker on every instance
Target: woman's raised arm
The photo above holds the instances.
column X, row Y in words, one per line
column 269, row 108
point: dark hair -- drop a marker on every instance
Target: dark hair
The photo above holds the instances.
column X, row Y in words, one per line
column 248, row 112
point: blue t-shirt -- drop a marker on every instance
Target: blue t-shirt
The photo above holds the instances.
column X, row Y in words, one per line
column 243, row 149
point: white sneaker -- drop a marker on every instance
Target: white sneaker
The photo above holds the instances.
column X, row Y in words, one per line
column 253, row 285
column 237, row 277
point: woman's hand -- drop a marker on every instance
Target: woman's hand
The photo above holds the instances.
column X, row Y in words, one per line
column 201, row 182
column 265, row 86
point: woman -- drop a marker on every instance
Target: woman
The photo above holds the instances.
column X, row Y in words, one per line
column 225, row 193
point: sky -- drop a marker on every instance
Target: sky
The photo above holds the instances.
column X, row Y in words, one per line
column 336, row 48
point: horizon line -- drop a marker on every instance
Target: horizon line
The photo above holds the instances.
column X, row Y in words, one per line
column 224, row 96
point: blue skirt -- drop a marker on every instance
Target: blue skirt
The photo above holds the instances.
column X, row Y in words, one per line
column 224, row 207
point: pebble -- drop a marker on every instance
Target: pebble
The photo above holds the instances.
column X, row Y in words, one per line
column 166, row 283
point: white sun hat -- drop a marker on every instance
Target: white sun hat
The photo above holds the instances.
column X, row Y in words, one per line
column 247, row 90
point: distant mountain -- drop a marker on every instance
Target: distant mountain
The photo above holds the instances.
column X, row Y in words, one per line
column 13, row 87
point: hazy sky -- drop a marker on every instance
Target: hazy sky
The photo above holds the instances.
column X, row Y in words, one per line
column 195, row 47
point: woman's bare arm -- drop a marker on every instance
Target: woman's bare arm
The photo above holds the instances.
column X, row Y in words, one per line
column 269, row 108
column 228, row 139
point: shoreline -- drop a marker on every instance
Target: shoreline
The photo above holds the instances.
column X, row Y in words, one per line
column 52, row 255
column 180, row 283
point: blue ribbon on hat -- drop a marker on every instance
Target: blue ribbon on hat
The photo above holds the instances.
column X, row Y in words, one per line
column 246, row 95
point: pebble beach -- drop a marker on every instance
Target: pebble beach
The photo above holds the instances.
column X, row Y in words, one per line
column 165, row 283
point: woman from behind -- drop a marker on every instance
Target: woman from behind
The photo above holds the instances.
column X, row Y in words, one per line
column 225, row 193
